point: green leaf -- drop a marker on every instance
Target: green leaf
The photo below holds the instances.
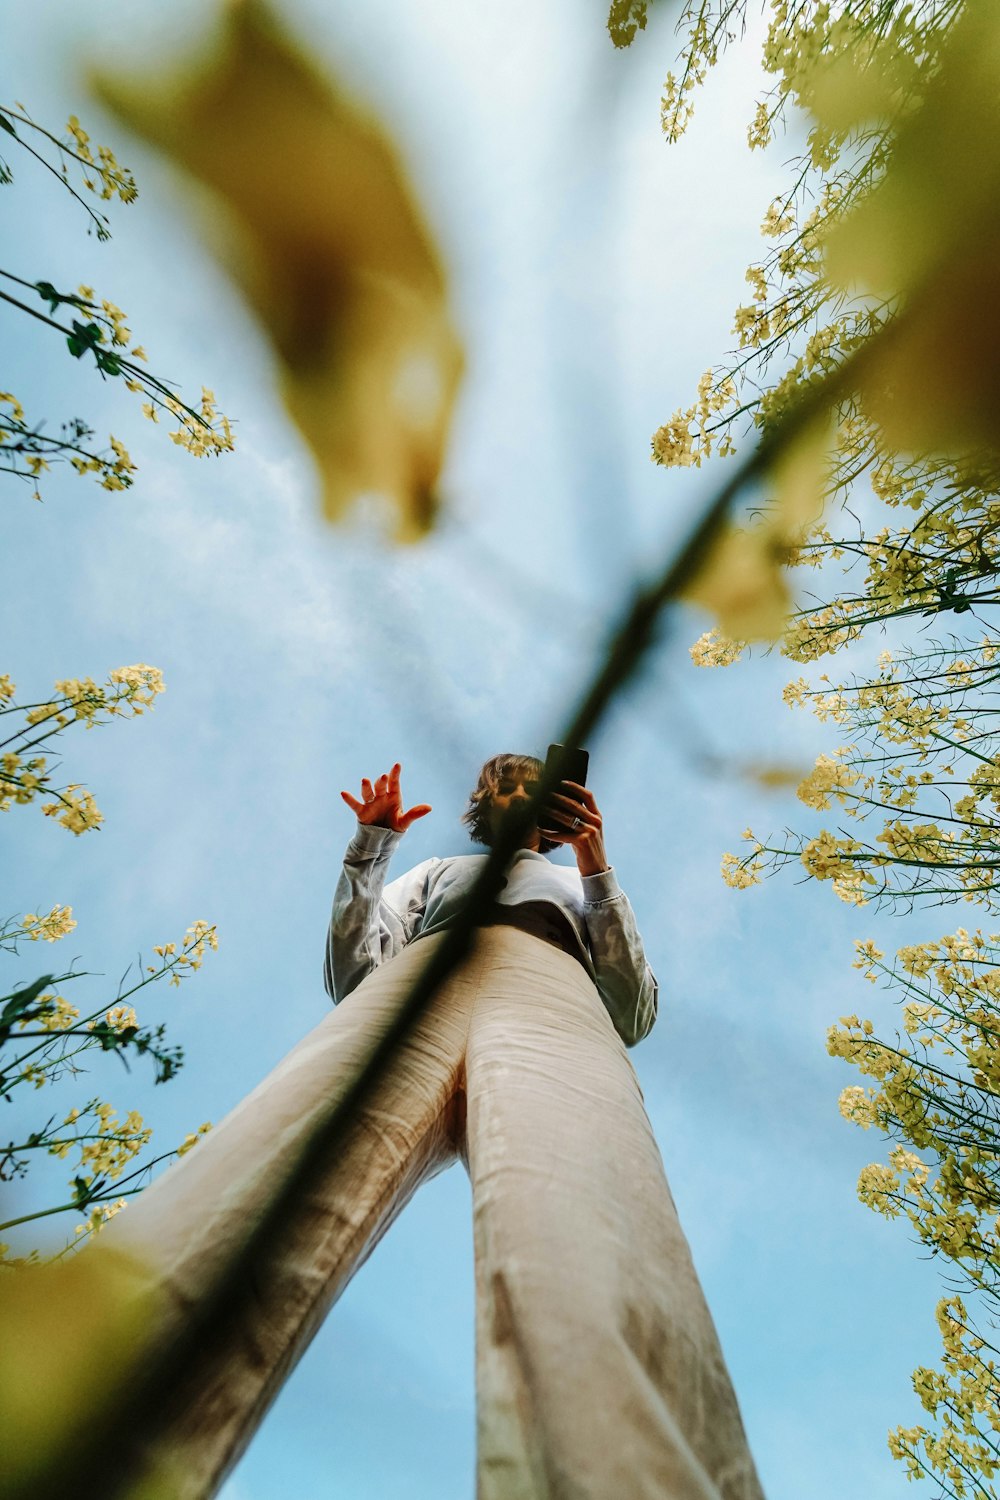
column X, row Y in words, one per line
column 5, row 124
column 108, row 1037
column 84, row 336
column 108, row 362
column 48, row 294
column 19, row 1002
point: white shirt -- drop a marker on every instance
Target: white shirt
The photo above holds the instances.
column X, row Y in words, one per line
column 372, row 921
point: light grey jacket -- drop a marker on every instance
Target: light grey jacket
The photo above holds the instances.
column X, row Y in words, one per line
column 372, row 921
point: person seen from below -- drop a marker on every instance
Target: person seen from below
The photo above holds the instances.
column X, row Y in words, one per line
column 599, row 1373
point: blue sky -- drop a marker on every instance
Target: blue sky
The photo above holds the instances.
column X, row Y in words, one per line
column 594, row 272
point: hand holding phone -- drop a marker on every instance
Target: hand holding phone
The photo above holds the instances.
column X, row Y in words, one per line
column 567, row 763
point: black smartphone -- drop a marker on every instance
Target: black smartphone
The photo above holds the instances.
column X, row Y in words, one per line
column 568, row 763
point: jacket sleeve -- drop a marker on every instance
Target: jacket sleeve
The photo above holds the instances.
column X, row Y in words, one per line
column 625, row 981
column 371, row 921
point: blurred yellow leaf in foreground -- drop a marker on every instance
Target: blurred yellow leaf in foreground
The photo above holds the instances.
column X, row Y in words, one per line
column 327, row 244
column 72, row 1333
column 741, row 583
column 742, row 580
column 929, row 235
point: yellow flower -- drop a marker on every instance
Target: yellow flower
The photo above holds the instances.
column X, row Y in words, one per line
column 121, row 1017
column 16, row 409
column 142, row 684
column 58, row 1014
column 190, row 1141
column 740, row 874
column 77, row 811
column 714, row 650
column 673, row 445
column 876, row 1187
column 856, row 1105
column 828, row 778
column 759, row 131
column 50, row 929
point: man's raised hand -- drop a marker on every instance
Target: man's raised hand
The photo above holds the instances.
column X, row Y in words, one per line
column 382, row 803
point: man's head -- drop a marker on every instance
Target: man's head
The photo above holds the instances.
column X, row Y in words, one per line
column 503, row 781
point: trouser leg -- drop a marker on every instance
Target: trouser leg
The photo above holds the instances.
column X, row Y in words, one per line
column 599, row 1370
column 188, row 1223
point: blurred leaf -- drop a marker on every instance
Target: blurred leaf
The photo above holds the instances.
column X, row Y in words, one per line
column 872, row 80
column 799, row 477
column 771, row 777
column 328, row 246
column 72, row 1332
column 929, row 235
column 742, row 584
column 742, row 581
column 625, row 18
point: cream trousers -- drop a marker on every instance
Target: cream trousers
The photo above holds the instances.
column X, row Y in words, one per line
column 599, row 1374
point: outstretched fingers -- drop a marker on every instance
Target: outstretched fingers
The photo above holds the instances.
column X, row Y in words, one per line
column 420, row 811
column 384, row 791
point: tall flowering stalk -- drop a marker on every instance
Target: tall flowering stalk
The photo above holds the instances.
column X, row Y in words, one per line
column 45, row 1037
column 880, row 91
column 922, row 764
column 27, row 728
column 90, row 328
column 936, row 1089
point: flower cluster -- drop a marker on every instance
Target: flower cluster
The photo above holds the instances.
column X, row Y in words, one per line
column 50, row 1012
column 828, row 778
column 192, row 1140
column 129, row 691
column 937, row 1092
column 201, row 432
column 109, row 179
column 190, row 956
column 924, row 763
column 868, row 956
column 46, row 1034
column 57, row 924
column 903, row 540
column 742, row 873
column 92, row 329
column 74, row 809
column 122, row 1018
column 965, row 1397
column 713, row 650
column 827, row 857
column 676, row 446
column 98, row 1217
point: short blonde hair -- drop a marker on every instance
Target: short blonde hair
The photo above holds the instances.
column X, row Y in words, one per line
column 477, row 815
